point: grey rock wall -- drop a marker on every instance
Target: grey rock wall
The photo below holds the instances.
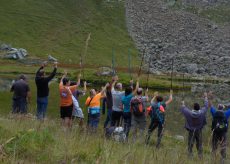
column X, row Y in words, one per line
column 197, row 45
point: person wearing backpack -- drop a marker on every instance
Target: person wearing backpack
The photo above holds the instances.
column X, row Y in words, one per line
column 195, row 121
column 219, row 130
column 138, row 109
column 93, row 102
column 126, row 99
column 158, row 116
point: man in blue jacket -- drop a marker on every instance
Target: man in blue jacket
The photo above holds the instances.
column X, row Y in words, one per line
column 219, row 129
column 195, row 121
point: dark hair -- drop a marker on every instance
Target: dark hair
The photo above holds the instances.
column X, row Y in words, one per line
column 23, row 77
column 41, row 73
column 65, row 81
column 139, row 92
column 73, row 83
column 159, row 99
column 128, row 90
column 196, row 106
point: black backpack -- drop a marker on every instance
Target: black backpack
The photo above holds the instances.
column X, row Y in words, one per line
column 219, row 122
column 137, row 107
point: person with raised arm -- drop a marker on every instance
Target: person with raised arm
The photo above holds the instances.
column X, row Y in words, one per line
column 66, row 103
column 42, row 83
column 157, row 115
column 195, row 120
column 126, row 99
column 93, row 104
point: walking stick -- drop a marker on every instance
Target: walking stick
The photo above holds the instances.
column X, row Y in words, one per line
column 172, row 72
column 130, row 71
column 142, row 59
column 85, row 52
column 183, row 87
column 113, row 62
column 147, row 84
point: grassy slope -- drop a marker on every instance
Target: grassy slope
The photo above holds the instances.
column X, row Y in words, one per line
column 60, row 27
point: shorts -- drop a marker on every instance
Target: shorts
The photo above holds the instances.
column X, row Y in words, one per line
column 66, row 111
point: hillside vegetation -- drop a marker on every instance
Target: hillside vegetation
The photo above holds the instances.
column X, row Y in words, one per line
column 61, row 27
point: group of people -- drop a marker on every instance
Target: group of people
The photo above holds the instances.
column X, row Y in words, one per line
column 127, row 108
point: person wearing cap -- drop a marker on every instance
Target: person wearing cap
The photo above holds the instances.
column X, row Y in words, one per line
column 219, row 129
column 195, row 120
column 21, row 95
column 42, row 83
column 66, row 102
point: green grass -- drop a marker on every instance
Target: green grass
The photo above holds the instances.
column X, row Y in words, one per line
column 60, row 28
column 28, row 141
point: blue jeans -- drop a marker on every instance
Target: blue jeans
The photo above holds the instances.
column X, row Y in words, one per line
column 108, row 118
column 42, row 103
column 94, row 120
column 19, row 105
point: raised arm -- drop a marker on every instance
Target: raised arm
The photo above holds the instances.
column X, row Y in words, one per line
column 104, row 89
column 137, row 86
column 85, row 88
column 63, row 76
column 79, row 80
column 154, row 97
column 146, row 94
column 170, row 98
column 114, row 80
column 42, row 66
column 51, row 76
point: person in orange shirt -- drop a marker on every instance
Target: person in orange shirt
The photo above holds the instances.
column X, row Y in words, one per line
column 66, row 102
column 93, row 102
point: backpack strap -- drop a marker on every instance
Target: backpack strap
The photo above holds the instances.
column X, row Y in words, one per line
column 90, row 101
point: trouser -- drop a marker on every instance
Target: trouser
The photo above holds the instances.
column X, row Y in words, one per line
column 195, row 136
column 127, row 122
column 108, row 118
column 19, row 105
column 116, row 117
column 94, row 120
column 42, row 103
column 153, row 125
column 138, row 122
column 219, row 139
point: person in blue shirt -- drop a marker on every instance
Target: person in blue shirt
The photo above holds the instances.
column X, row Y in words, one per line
column 219, row 129
column 126, row 99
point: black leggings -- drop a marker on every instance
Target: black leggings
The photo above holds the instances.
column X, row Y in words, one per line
column 153, row 125
column 116, row 118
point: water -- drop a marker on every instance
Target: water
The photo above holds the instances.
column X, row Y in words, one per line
column 5, row 84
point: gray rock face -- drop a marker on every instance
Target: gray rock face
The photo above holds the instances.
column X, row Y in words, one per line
column 197, row 45
column 205, row 3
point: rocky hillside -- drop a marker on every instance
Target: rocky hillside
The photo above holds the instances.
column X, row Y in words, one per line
column 177, row 30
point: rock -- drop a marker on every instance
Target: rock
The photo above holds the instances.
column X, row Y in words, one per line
column 105, row 71
column 188, row 37
column 192, row 68
column 15, row 53
column 179, row 138
column 52, row 59
column 5, row 47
